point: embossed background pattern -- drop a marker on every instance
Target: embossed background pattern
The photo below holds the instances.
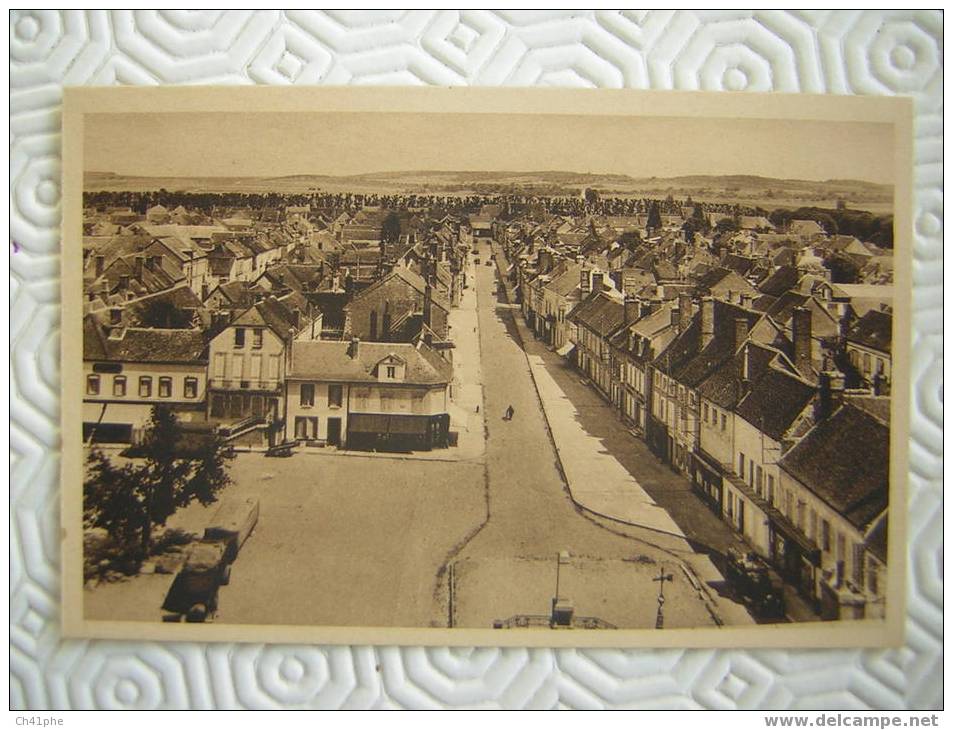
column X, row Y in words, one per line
column 876, row 53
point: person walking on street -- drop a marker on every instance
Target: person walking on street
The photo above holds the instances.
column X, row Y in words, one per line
column 509, row 413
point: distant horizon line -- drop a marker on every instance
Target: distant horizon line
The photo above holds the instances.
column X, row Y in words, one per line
column 490, row 172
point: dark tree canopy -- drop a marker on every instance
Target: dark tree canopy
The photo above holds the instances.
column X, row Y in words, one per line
column 390, row 230
column 843, row 269
column 163, row 314
column 176, row 469
column 655, row 217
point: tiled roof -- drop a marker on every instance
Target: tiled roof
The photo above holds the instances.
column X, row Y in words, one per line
column 330, row 361
column 873, row 330
column 145, row 345
column 783, row 279
column 774, row 402
column 845, row 461
column 600, row 313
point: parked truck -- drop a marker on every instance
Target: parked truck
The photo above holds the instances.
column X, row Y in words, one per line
column 193, row 594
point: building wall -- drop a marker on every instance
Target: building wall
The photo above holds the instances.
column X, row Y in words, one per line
column 867, row 360
column 132, row 372
column 321, row 409
column 837, row 539
column 717, row 432
column 761, row 454
column 396, row 298
column 263, row 368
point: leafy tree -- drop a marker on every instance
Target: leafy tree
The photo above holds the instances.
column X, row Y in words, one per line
column 843, row 269
column 655, row 217
column 128, row 501
column 726, row 225
column 163, row 314
column 591, row 196
column 390, row 229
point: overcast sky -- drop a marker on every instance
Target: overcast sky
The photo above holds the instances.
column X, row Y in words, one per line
column 274, row 144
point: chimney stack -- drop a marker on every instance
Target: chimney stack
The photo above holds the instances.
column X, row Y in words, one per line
column 684, row 310
column 675, row 316
column 100, row 265
column 801, row 334
column 830, row 393
column 428, row 304
column 708, row 321
column 124, row 281
column 585, row 283
column 354, row 348
column 741, row 332
column 633, row 309
column 140, row 263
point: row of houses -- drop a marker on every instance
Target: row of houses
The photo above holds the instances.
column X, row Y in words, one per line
column 306, row 349
column 767, row 387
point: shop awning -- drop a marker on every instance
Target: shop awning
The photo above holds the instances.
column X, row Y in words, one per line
column 409, row 424
column 565, row 349
column 367, row 423
column 384, row 423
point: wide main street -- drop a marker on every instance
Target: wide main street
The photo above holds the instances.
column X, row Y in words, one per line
column 460, row 538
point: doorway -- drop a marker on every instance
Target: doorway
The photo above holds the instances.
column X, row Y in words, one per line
column 334, row 431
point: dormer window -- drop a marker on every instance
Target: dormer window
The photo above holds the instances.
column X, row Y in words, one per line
column 391, row 371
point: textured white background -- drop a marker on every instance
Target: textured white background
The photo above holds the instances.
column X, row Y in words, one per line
column 853, row 52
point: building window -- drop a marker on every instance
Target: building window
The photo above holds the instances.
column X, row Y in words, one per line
column 307, row 395
column 771, row 490
column 306, row 428
column 257, row 337
column 705, row 412
column 218, row 406
column 165, row 387
column 759, row 480
column 335, row 396
column 741, row 465
column 391, row 371
column 825, row 535
column 724, row 422
column 92, row 385
column 191, row 387
column 119, row 386
column 841, row 548
column 239, row 337
column 866, row 363
column 145, row 387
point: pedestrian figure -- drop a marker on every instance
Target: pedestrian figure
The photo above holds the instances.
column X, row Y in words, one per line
column 509, row 413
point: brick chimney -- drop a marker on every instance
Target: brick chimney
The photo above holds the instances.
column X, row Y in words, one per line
column 675, row 316
column 741, row 332
column 684, row 310
column 100, row 265
column 708, row 321
column 830, row 394
column 801, row 334
column 140, row 264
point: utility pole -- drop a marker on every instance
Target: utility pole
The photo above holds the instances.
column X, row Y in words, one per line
column 661, row 578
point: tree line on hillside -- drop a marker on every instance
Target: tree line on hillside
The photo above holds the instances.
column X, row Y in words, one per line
column 862, row 224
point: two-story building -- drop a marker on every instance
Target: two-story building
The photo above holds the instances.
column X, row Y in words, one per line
column 837, row 475
column 247, row 364
column 128, row 370
column 368, row 395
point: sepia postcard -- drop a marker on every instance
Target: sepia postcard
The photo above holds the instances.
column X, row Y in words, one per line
column 485, row 366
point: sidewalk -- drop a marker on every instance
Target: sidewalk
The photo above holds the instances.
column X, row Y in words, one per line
column 466, row 407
